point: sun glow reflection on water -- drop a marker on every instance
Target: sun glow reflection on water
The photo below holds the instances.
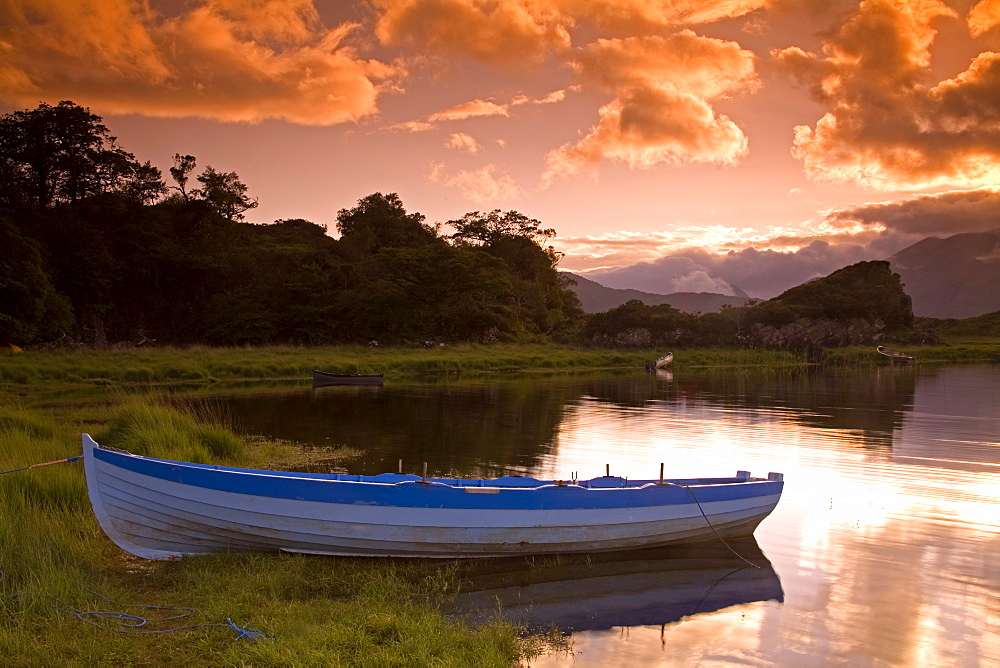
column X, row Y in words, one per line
column 886, row 554
column 882, row 551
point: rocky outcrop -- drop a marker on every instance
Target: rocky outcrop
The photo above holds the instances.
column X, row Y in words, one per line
column 802, row 335
column 863, row 304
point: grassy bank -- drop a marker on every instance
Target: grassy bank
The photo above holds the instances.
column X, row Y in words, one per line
column 206, row 365
column 58, row 570
column 57, row 370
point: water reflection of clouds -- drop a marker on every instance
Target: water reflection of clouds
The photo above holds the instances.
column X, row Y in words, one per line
column 727, row 637
column 885, row 554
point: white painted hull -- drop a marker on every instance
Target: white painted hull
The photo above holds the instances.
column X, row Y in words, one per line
column 164, row 519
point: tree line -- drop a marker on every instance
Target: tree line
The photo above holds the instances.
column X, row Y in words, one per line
column 96, row 247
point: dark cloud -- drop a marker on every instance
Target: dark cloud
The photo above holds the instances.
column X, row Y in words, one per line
column 930, row 215
column 870, row 231
column 758, row 273
column 664, row 276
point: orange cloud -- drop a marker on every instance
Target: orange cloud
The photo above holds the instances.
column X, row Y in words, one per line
column 983, row 17
column 886, row 128
column 469, row 110
column 483, row 186
column 643, row 15
column 511, row 33
column 412, row 126
column 283, row 21
column 462, row 142
column 523, row 33
column 233, row 60
column 551, row 98
column 662, row 111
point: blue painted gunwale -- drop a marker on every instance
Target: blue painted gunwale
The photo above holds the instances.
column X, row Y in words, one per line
column 389, row 489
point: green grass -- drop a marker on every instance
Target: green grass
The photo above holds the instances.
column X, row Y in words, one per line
column 92, row 372
column 955, row 350
column 209, row 365
column 315, row 610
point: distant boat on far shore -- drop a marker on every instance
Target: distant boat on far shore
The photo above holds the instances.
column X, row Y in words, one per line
column 660, row 363
column 896, row 357
column 324, row 378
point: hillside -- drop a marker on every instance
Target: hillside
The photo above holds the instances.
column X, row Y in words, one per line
column 857, row 305
column 956, row 277
column 596, row 298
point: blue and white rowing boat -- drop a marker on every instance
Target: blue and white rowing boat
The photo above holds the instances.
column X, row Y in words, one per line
column 161, row 509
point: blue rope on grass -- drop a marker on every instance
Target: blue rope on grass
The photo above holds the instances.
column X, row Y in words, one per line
column 131, row 623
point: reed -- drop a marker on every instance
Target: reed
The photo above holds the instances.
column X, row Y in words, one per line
column 155, row 429
column 54, row 559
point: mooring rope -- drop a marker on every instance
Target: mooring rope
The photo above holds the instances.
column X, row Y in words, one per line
column 132, row 624
column 35, row 466
column 709, row 522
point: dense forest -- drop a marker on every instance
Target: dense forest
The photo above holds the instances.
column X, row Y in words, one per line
column 97, row 247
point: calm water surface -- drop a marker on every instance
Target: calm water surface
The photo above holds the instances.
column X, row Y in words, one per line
column 884, row 549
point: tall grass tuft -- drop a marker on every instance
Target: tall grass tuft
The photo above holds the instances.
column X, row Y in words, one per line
column 27, row 439
column 47, row 525
column 153, row 428
column 323, row 611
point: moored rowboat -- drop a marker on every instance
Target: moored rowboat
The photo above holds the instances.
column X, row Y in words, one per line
column 161, row 509
column 895, row 356
column 324, row 378
column 660, row 363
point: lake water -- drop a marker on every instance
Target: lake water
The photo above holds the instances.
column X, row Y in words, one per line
column 884, row 549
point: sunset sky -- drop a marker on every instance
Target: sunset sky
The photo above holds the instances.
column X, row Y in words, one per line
column 674, row 145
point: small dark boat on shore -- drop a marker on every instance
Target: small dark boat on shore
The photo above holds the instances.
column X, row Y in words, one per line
column 895, row 356
column 324, row 378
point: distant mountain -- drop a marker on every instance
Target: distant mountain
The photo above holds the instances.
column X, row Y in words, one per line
column 596, row 298
column 956, row 277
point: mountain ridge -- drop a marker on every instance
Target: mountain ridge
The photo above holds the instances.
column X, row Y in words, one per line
column 950, row 277
column 597, row 298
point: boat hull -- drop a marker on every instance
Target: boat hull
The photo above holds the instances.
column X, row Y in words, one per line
column 664, row 361
column 895, row 357
column 159, row 509
column 324, row 379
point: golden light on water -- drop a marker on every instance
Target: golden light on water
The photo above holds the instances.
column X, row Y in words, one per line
column 865, row 536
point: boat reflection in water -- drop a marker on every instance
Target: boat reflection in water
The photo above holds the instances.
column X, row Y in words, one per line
column 638, row 588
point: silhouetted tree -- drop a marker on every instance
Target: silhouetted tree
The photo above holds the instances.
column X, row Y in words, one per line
column 224, row 191
column 542, row 297
column 181, row 173
column 489, row 228
column 64, row 154
column 381, row 221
